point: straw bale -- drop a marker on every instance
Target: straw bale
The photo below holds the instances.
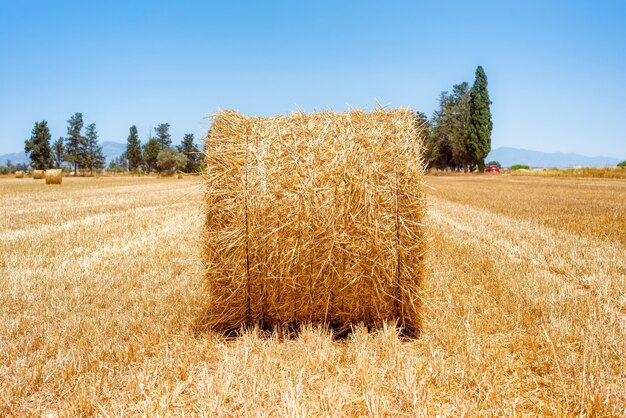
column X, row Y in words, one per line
column 54, row 176
column 314, row 218
column 38, row 174
column 19, row 174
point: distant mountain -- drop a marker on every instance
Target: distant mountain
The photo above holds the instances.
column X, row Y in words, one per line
column 15, row 158
column 508, row 156
column 112, row 149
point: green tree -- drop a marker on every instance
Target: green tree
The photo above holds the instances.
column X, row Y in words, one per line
column 133, row 149
column 168, row 161
column 424, row 126
column 622, row 164
column 189, row 149
column 480, row 124
column 163, row 135
column 38, row 146
column 151, row 151
column 459, row 119
column 448, row 142
column 94, row 158
column 58, row 152
column 76, row 143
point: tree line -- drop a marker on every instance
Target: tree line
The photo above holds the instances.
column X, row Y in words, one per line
column 458, row 137
column 158, row 154
column 83, row 152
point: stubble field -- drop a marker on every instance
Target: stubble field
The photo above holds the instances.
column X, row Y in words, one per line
column 524, row 309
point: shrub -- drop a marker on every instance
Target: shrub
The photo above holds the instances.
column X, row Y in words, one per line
column 622, row 164
column 168, row 161
column 519, row 167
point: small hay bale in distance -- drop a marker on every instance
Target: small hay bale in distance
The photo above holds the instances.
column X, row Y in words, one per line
column 54, row 176
column 19, row 174
column 38, row 174
column 314, row 218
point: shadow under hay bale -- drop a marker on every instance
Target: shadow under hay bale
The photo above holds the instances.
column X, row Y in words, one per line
column 38, row 174
column 54, row 176
column 19, row 174
column 314, row 219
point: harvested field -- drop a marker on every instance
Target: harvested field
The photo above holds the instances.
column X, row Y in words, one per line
column 524, row 309
column 605, row 172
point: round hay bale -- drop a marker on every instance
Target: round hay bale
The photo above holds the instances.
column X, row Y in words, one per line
column 179, row 176
column 314, row 218
column 54, row 176
column 38, row 174
column 19, row 174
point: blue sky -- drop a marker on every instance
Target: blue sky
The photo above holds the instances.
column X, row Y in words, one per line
column 556, row 69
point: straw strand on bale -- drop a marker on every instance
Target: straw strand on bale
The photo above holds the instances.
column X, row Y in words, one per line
column 54, row 176
column 38, row 174
column 314, row 218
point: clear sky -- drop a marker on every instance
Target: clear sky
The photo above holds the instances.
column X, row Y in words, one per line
column 556, row 69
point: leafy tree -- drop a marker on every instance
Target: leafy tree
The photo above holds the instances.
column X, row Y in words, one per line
column 163, row 135
column 38, row 146
column 94, row 158
column 622, row 164
column 58, row 152
column 459, row 118
column 431, row 147
column 76, row 144
column 150, row 153
column 133, row 150
column 189, row 149
column 448, row 142
column 169, row 160
column 480, row 124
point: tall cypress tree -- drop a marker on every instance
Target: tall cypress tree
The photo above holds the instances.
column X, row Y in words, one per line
column 94, row 158
column 133, row 149
column 76, row 142
column 38, row 146
column 480, row 124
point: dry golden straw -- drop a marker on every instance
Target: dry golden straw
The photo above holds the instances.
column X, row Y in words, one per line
column 54, row 176
column 38, row 174
column 19, row 174
column 314, row 218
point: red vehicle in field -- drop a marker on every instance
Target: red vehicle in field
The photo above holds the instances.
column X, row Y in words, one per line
column 493, row 169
